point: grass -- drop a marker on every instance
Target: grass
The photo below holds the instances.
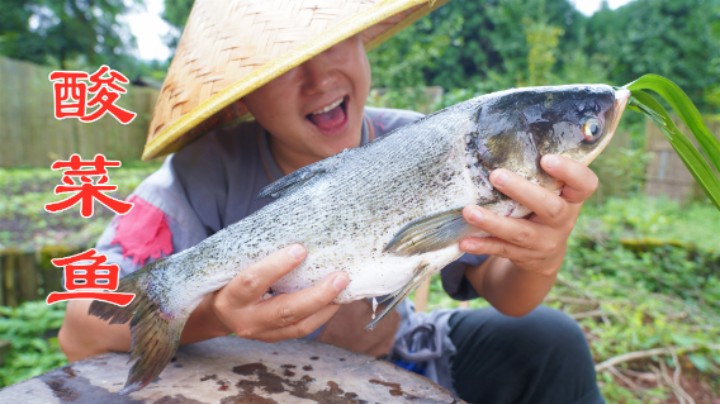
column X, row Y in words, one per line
column 26, row 225
column 642, row 277
column 31, row 333
column 28, row 333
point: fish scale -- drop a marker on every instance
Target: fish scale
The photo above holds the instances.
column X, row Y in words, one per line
column 388, row 213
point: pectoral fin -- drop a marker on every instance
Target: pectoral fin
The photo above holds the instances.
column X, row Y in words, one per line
column 429, row 233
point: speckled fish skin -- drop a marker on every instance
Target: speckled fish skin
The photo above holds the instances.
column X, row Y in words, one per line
column 388, row 213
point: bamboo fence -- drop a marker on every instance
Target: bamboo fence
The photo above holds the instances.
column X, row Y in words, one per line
column 31, row 136
column 666, row 175
column 29, row 275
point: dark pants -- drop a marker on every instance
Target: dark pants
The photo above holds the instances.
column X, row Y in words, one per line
column 539, row 358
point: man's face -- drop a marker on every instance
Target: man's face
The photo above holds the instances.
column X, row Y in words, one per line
column 315, row 110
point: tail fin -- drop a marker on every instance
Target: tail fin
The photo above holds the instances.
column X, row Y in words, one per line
column 132, row 283
column 155, row 333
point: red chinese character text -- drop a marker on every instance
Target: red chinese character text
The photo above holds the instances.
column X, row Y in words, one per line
column 87, row 278
column 70, row 95
column 86, row 191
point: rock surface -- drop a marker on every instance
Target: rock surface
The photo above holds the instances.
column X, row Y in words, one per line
column 233, row 370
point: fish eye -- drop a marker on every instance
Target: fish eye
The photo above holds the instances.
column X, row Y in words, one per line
column 591, row 130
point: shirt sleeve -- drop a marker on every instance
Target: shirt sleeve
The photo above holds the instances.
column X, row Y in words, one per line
column 160, row 223
column 453, row 278
column 207, row 185
column 386, row 120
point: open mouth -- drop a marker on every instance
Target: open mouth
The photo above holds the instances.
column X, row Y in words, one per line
column 331, row 117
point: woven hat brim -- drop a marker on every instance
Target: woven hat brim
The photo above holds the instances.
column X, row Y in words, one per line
column 219, row 107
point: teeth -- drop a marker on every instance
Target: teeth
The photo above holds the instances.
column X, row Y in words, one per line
column 329, row 107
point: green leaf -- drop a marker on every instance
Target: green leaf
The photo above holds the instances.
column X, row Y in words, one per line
column 690, row 156
column 700, row 362
column 684, row 107
column 684, row 341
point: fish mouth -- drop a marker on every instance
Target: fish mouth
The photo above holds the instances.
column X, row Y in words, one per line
column 621, row 99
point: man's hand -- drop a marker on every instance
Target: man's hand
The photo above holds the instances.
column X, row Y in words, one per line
column 527, row 253
column 239, row 306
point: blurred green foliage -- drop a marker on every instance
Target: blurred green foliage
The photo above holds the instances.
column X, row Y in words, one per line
column 469, row 46
column 653, row 268
column 478, row 47
column 641, row 273
column 655, row 245
column 29, row 336
column 25, row 224
column 65, row 34
column 74, row 35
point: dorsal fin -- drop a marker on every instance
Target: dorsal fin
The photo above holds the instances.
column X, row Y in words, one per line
column 297, row 178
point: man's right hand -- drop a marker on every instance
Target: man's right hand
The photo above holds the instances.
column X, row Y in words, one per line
column 239, row 306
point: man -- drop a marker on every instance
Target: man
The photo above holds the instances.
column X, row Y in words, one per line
column 312, row 111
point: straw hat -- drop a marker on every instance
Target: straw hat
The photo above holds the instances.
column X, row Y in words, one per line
column 230, row 48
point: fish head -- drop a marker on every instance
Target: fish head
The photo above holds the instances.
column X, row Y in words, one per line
column 515, row 128
column 577, row 122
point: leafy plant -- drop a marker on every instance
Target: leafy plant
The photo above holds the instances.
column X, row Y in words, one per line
column 699, row 164
column 24, row 222
column 642, row 277
column 31, row 332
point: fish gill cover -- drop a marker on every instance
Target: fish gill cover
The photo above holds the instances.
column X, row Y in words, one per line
column 705, row 165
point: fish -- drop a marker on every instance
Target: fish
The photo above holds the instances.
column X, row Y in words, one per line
column 388, row 213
